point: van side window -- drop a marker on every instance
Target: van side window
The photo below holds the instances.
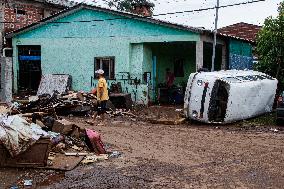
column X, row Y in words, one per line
column 231, row 79
column 244, row 78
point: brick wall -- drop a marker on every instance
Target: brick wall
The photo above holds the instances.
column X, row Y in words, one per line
column 22, row 13
column 16, row 18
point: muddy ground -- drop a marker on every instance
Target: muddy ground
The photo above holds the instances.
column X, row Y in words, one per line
column 190, row 155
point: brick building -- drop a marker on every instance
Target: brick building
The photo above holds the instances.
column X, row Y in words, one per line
column 15, row 14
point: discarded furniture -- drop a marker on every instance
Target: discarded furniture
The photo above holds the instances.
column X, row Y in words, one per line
column 54, row 82
column 34, row 157
column 121, row 100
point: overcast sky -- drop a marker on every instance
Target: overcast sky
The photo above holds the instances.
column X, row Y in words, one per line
column 254, row 13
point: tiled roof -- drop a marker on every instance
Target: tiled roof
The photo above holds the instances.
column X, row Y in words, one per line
column 241, row 30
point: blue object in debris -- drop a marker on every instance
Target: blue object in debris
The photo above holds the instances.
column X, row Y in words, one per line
column 14, row 187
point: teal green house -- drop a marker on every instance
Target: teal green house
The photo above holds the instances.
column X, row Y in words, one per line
column 132, row 50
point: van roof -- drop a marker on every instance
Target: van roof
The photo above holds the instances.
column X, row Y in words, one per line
column 231, row 73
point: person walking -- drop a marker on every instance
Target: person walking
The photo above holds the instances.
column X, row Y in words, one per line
column 102, row 95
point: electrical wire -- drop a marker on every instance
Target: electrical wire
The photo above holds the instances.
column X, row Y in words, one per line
column 155, row 15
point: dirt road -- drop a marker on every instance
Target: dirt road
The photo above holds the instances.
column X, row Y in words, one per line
column 185, row 156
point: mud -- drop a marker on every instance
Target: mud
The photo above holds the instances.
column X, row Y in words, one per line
column 185, row 156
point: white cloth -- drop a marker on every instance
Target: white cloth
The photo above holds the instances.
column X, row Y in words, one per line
column 17, row 135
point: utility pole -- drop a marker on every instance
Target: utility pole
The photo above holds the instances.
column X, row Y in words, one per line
column 215, row 36
column 280, row 51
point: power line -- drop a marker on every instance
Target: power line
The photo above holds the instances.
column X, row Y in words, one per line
column 210, row 8
column 161, row 14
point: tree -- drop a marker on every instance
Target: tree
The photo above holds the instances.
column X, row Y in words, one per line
column 126, row 5
column 270, row 46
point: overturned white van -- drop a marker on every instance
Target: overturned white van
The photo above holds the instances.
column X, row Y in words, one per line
column 228, row 96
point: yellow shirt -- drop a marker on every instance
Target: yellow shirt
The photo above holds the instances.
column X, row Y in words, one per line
column 102, row 86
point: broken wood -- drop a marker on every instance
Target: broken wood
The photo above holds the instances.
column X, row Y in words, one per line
column 76, row 154
column 31, row 114
column 129, row 114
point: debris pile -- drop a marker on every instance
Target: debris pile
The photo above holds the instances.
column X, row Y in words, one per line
column 33, row 135
column 60, row 104
column 41, row 140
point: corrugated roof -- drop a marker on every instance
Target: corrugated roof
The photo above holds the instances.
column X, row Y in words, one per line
column 77, row 7
column 243, row 31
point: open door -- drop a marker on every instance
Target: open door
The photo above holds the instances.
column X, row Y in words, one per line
column 29, row 75
column 218, row 102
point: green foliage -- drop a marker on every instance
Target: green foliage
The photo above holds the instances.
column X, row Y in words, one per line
column 126, row 5
column 270, row 41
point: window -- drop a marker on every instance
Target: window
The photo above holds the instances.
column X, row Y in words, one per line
column 106, row 64
column 19, row 12
column 178, row 68
column 231, row 79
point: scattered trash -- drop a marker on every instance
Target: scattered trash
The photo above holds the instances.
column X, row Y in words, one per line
column 77, row 148
column 14, row 187
column 274, row 130
column 51, row 156
column 121, row 112
column 115, row 154
column 33, row 98
column 94, row 158
column 28, row 182
column 76, row 153
column 56, row 140
column 29, row 144
column 95, row 142
column 89, row 159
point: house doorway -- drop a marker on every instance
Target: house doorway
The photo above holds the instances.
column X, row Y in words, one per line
column 173, row 62
column 207, row 56
column 29, row 74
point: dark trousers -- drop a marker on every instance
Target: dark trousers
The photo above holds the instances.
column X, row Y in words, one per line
column 102, row 107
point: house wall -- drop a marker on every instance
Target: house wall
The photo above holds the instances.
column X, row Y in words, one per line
column 240, row 56
column 1, row 26
column 6, row 79
column 69, row 46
